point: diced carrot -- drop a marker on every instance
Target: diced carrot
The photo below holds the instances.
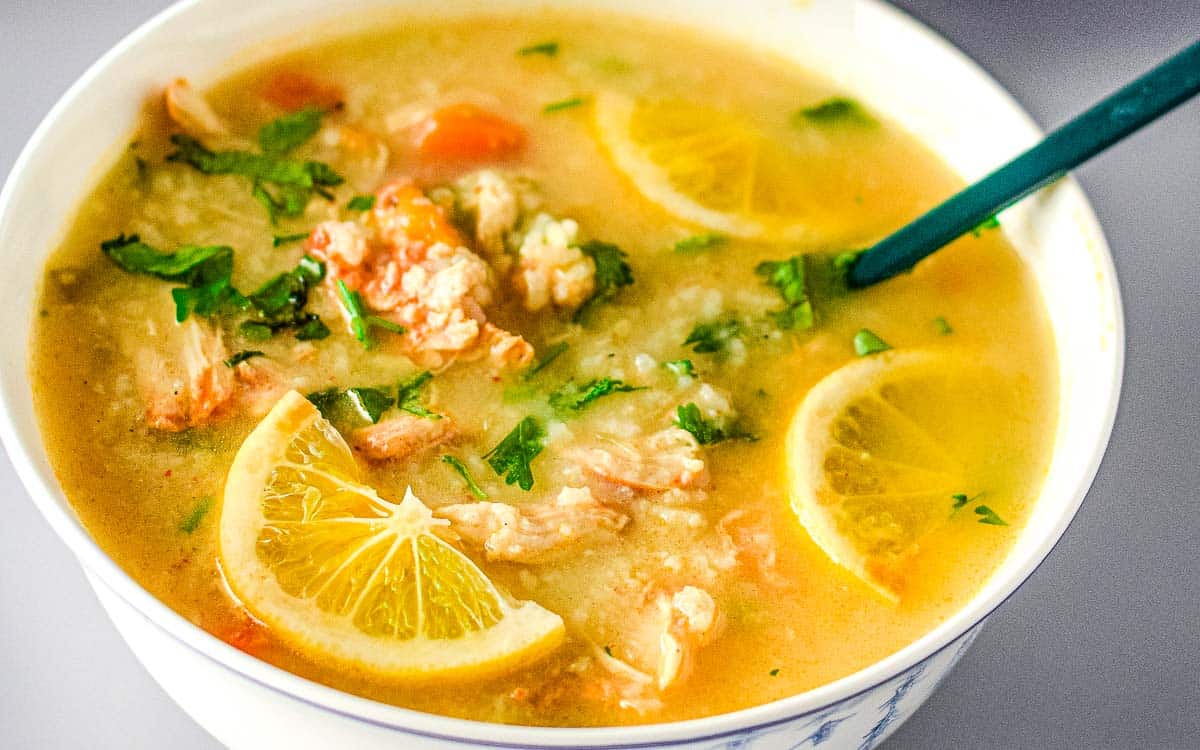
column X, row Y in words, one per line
column 401, row 207
column 464, row 132
column 293, row 91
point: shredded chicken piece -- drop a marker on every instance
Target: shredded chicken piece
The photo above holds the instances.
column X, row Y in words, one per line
column 495, row 206
column 747, row 540
column 692, row 622
column 259, row 386
column 668, row 459
column 178, row 400
column 551, row 269
column 530, row 533
column 627, row 686
column 411, row 267
column 190, row 111
column 402, row 436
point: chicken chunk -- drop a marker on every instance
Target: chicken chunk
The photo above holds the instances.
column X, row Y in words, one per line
column 190, row 111
column 531, row 533
column 402, row 436
column 189, row 396
column 411, row 267
column 666, row 460
column 494, row 207
column 691, row 622
column 748, row 541
column 551, row 269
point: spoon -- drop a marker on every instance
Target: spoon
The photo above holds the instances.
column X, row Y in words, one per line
column 1163, row 88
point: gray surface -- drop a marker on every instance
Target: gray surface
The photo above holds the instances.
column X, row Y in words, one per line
column 1098, row 650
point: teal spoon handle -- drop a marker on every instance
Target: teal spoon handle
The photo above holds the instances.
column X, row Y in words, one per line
column 1154, row 94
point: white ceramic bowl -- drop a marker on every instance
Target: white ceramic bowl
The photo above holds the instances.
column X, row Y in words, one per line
column 865, row 47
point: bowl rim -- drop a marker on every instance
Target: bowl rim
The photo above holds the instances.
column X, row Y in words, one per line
column 21, row 449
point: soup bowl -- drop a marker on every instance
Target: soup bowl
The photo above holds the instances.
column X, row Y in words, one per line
column 868, row 50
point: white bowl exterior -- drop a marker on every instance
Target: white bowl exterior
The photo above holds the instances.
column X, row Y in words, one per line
column 866, row 48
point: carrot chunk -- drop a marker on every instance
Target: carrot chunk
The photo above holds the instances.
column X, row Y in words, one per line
column 293, row 91
column 464, row 132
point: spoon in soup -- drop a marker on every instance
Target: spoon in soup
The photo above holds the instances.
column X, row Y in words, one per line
column 1160, row 90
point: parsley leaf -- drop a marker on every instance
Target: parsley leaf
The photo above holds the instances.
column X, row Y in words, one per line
column 205, row 271
column 990, row 222
column 241, row 357
column 549, row 49
column 408, row 394
column 838, row 109
column 512, row 455
column 960, row 500
column 574, row 398
column 461, row 469
column 708, row 338
column 286, row 133
column 942, row 326
column 774, row 672
column 788, row 278
column 612, row 273
column 361, row 203
column 706, row 431
column 989, row 517
column 280, row 302
column 284, row 239
column 700, row 242
column 866, row 342
column 561, row 105
column 367, row 404
column 551, row 354
column 681, row 367
column 360, row 322
column 192, row 520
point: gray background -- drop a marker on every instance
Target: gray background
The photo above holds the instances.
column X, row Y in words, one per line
column 1098, row 650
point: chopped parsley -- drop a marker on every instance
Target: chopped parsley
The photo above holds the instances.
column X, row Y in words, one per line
column 280, row 302
column 242, row 356
column 866, row 342
column 283, row 239
column 461, row 469
column 367, row 404
column 360, row 322
column 559, row 106
column 408, row 395
column 512, row 456
column 990, row 222
column 681, row 367
column 294, row 182
column 608, row 651
column 547, row 359
column 960, row 500
column 204, row 270
column 573, row 397
column 361, row 203
column 286, row 133
column 774, row 672
column 942, row 326
column 836, row 110
column 788, row 278
column 988, row 516
column 708, row 338
column 192, row 520
column 612, row 273
column 700, row 242
column 706, row 431
column 549, row 49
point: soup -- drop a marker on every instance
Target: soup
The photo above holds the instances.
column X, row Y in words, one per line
column 506, row 370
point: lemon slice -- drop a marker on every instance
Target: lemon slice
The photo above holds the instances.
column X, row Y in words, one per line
column 347, row 575
column 875, row 456
column 705, row 166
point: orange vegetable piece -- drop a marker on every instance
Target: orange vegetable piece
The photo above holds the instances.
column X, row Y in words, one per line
column 293, row 91
column 464, row 132
column 401, row 209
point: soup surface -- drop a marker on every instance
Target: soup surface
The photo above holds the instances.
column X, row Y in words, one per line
column 614, row 248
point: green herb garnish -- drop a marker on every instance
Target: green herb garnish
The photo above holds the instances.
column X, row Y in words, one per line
column 774, row 672
column 360, row 322
column 361, row 203
column 553, row 353
column 838, row 109
column 990, row 222
column 549, row 49
column 205, row 270
column 866, row 343
column 283, row 239
column 608, row 652
column 988, row 516
column 368, row 404
column 241, row 357
column 708, row 338
column 706, row 431
column 564, row 104
column 408, row 394
column 700, row 242
column 192, row 520
column 788, row 278
column 511, row 457
column 574, row 398
column 681, row 367
column 612, row 273
column 461, row 469
column 942, row 326
column 960, row 500
column 279, row 303
column 286, row 133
